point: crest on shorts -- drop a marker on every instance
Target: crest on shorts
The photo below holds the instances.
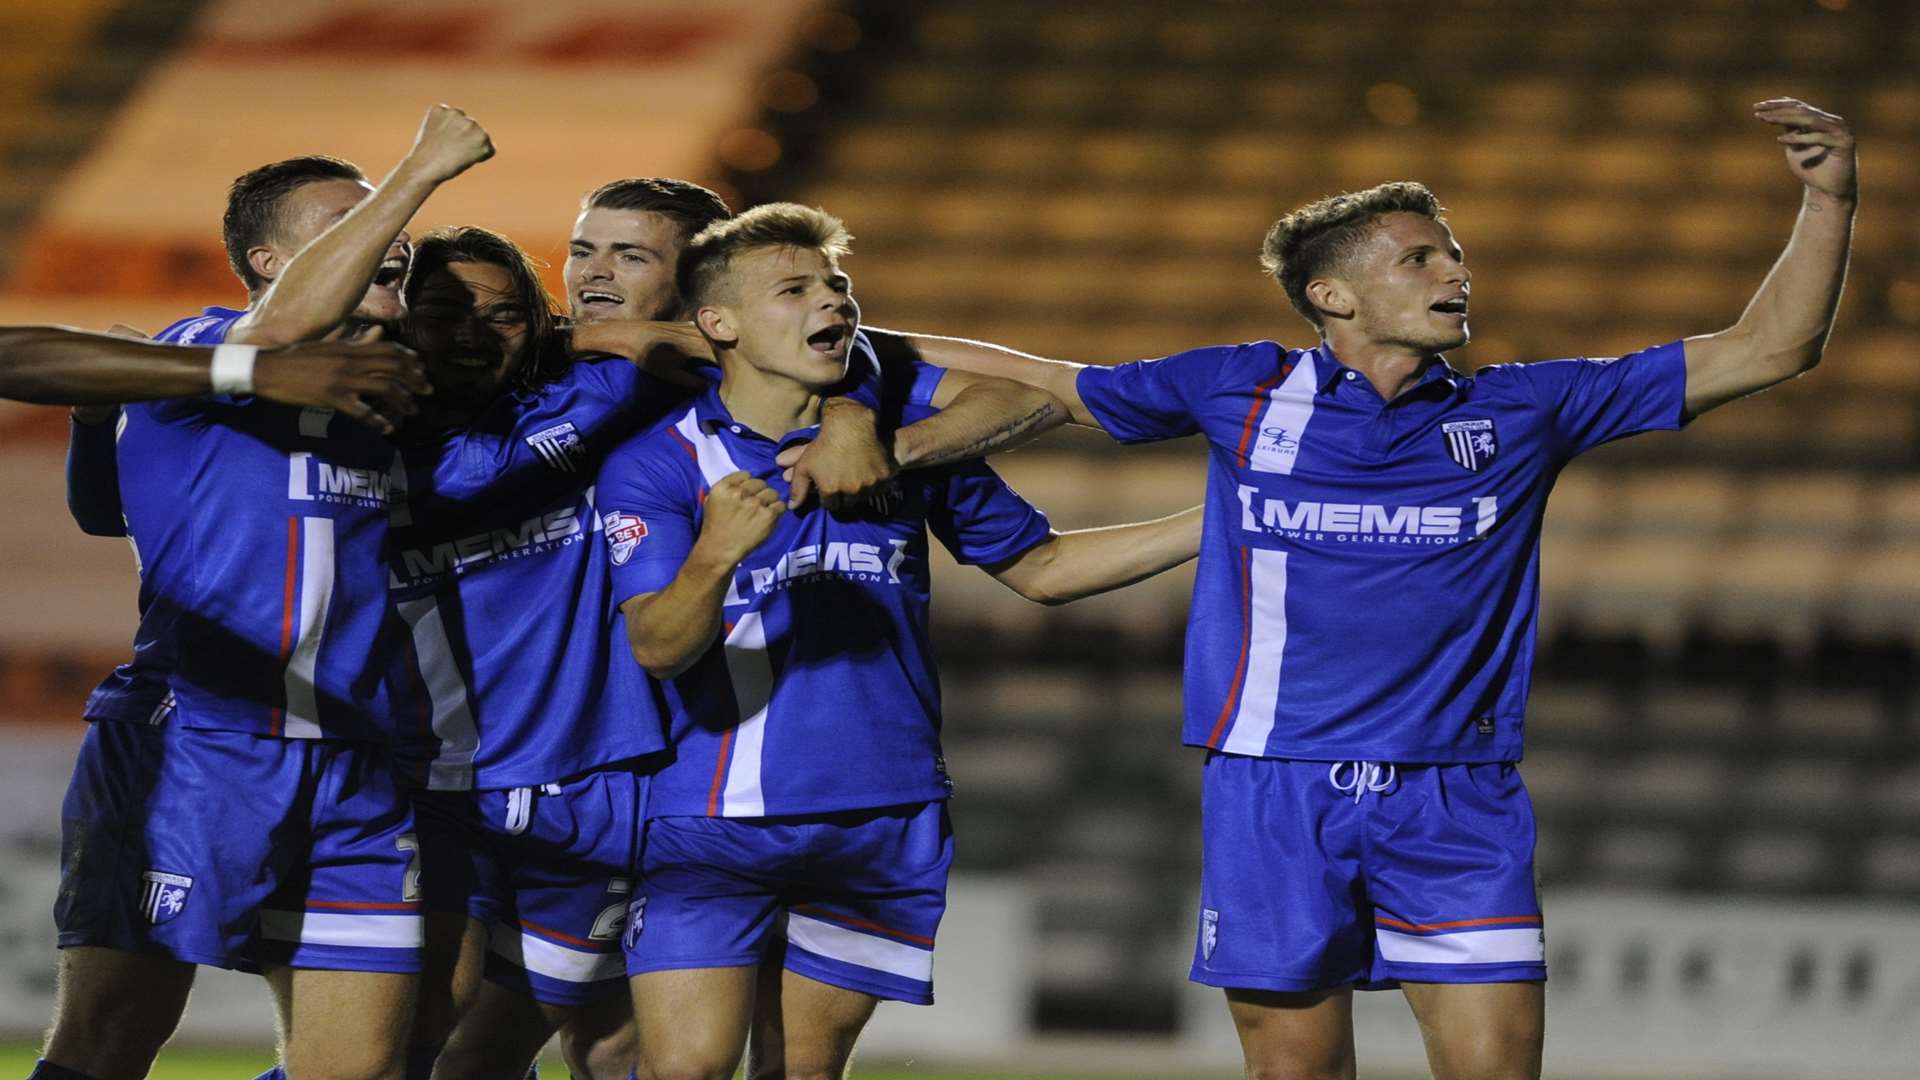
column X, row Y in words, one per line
column 1470, row 443
column 624, row 533
column 163, row 895
column 636, row 919
column 559, row 446
column 1209, row 932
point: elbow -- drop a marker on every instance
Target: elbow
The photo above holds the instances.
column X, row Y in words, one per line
column 658, row 661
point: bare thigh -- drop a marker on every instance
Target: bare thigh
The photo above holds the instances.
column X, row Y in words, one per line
column 1295, row 1036
column 1481, row 1031
column 343, row 1025
column 114, row 1010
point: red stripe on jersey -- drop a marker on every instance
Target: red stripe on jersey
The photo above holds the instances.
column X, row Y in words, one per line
column 1260, row 393
column 286, row 614
column 862, row 924
column 362, row 905
column 1246, row 645
column 685, row 445
column 719, row 774
column 1502, row 920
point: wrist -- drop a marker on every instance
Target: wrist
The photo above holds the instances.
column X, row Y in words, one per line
column 710, row 560
column 231, row 371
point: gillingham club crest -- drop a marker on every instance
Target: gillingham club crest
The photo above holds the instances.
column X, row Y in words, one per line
column 1209, row 932
column 1470, row 443
column 163, row 895
column 559, row 446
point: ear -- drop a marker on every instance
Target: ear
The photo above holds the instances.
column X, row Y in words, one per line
column 265, row 262
column 1331, row 297
column 717, row 323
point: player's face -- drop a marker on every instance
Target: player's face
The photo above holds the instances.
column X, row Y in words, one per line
column 794, row 313
column 620, row 265
column 312, row 209
column 1410, row 284
column 472, row 329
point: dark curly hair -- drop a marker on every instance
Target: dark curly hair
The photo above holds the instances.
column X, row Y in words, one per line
column 1318, row 237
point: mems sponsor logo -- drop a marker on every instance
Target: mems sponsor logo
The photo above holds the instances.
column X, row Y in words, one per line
column 1370, row 523
column 311, row 479
column 541, row 533
column 834, row 560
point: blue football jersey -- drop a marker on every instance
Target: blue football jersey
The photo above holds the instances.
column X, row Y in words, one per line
column 135, row 692
column 1369, row 570
column 260, row 532
column 822, row 695
column 506, row 589
column 503, row 582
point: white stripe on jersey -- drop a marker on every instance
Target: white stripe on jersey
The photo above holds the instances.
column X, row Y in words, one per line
column 714, row 460
column 862, row 950
column 316, row 600
column 1266, row 642
column 543, row 957
column 751, row 671
column 336, row 928
column 452, row 766
column 1284, row 423
column 1521, row 945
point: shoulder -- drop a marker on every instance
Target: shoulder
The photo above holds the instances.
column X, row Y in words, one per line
column 207, row 328
column 659, row 450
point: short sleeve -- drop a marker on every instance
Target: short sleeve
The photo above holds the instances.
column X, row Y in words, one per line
column 1590, row 402
column 980, row 519
column 623, row 399
column 648, row 509
column 1148, row 400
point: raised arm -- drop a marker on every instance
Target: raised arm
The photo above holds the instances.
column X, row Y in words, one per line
column 1784, row 328
column 670, row 629
column 1071, row 565
column 53, row 365
column 321, row 287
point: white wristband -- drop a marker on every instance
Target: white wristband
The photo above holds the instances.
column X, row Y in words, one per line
column 233, row 368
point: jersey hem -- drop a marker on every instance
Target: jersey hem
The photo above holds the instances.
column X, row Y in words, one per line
column 665, row 805
column 1507, row 752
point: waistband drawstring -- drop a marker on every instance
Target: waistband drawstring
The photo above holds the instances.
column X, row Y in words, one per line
column 1367, row 776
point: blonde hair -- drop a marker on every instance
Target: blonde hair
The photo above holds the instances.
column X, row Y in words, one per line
column 708, row 257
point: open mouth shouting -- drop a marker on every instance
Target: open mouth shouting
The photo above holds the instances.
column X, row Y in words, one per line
column 830, row 340
column 1453, row 305
column 599, row 301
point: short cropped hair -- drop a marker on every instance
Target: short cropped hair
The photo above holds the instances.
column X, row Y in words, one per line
column 705, row 263
column 254, row 202
column 547, row 357
column 687, row 205
column 1318, row 237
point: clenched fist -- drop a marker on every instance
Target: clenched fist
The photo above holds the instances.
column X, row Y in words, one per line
column 739, row 515
column 450, row 142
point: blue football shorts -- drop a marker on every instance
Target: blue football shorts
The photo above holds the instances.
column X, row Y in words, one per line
column 238, row 851
column 549, row 870
column 850, row 899
column 1319, row 874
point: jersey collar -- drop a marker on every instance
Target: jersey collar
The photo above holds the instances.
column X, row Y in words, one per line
column 711, row 414
column 1437, row 378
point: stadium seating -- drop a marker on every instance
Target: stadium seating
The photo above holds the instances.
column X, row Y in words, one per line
column 1731, row 617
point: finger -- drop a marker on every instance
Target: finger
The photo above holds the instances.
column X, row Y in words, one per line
column 802, row 489
column 358, row 409
column 125, row 331
column 1812, row 118
column 789, row 456
column 1811, row 138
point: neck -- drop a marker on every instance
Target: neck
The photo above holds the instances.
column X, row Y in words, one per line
column 769, row 404
column 1392, row 369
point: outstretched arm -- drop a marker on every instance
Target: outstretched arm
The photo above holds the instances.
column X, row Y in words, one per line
column 323, row 285
column 53, row 365
column 1071, row 565
column 1784, row 328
